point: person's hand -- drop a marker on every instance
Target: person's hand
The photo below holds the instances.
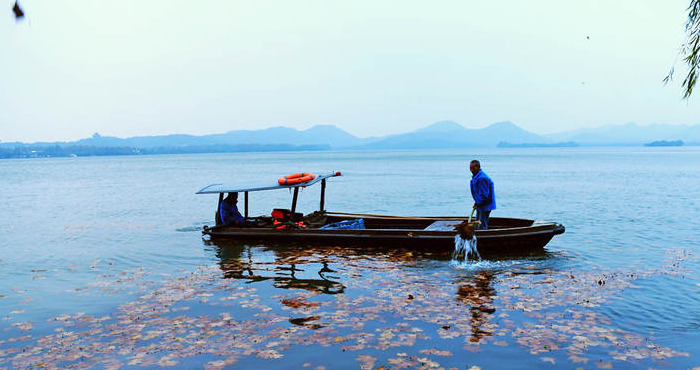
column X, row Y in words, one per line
column 474, row 206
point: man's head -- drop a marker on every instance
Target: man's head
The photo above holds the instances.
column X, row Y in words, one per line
column 474, row 166
column 232, row 197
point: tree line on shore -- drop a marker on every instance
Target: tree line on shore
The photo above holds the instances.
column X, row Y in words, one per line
column 46, row 151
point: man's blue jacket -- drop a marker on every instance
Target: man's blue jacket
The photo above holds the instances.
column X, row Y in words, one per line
column 229, row 213
column 482, row 191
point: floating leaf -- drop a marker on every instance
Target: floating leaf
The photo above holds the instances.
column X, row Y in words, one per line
column 269, row 354
column 436, row 352
column 551, row 360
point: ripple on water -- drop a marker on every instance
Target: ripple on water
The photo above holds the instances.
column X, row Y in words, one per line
column 483, row 265
column 658, row 303
column 189, row 229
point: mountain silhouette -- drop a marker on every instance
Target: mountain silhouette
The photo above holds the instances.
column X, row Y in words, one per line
column 449, row 134
column 442, row 134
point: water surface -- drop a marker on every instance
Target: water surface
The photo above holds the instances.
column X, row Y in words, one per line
column 103, row 264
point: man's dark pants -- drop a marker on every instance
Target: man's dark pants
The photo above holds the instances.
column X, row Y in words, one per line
column 483, row 216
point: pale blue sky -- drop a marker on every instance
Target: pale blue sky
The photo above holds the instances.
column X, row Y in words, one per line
column 127, row 67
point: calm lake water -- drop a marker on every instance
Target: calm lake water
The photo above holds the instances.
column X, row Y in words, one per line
column 102, row 264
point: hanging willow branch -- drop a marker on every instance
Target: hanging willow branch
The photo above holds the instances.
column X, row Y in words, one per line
column 690, row 50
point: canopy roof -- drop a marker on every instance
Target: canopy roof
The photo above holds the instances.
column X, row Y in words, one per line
column 238, row 188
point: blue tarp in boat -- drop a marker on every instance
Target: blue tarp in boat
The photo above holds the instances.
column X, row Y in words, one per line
column 357, row 224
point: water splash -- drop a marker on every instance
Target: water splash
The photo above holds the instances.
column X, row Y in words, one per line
column 465, row 250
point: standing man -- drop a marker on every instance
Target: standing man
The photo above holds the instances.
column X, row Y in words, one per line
column 483, row 194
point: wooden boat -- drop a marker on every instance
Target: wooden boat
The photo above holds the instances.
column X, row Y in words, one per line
column 504, row 236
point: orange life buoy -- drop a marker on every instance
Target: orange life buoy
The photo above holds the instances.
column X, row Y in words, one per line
column 296, row 178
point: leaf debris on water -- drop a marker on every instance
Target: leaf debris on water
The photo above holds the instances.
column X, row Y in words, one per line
column 198, row 315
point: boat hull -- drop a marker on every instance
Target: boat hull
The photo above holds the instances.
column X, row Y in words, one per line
column 509, row 236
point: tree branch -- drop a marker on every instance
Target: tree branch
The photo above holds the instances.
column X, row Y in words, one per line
column 690, row 50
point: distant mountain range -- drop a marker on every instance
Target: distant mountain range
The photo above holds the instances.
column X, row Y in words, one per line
column 443, row 134
column 630, row 134
column 318, row 135
column 448, row 134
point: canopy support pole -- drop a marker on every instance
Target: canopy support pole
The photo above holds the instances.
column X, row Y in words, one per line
column 246, row 204
column 294, row 200
column 217, row 220
column 323, row 195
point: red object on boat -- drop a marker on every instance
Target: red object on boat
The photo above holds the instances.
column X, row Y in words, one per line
column 296, row 178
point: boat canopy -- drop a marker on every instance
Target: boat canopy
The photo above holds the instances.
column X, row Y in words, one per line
column 242, row 188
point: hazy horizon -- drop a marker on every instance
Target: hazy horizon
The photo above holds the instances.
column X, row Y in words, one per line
column 360, row 137
column 128, row 68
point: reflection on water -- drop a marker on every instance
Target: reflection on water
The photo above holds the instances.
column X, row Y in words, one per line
column 293, row 266
column 308, row 268
column 478, row 293
column 237, row 263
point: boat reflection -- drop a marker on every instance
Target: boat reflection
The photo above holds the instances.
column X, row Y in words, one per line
column 290, row 252
column 286, row 271
column 301, row 266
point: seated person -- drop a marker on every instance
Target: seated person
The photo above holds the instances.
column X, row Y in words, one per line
column 228, row 211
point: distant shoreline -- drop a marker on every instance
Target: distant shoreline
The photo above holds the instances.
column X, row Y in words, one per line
column 665, row 143
column 439, row 135
column 567, row 144
column 72, row 151
column 58, row 151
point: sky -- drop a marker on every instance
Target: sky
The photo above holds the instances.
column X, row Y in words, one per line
column 371, row 67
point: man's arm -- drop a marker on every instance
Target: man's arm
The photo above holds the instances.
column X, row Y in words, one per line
column 237, row 216
column 222, row 212
column 482, row 195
